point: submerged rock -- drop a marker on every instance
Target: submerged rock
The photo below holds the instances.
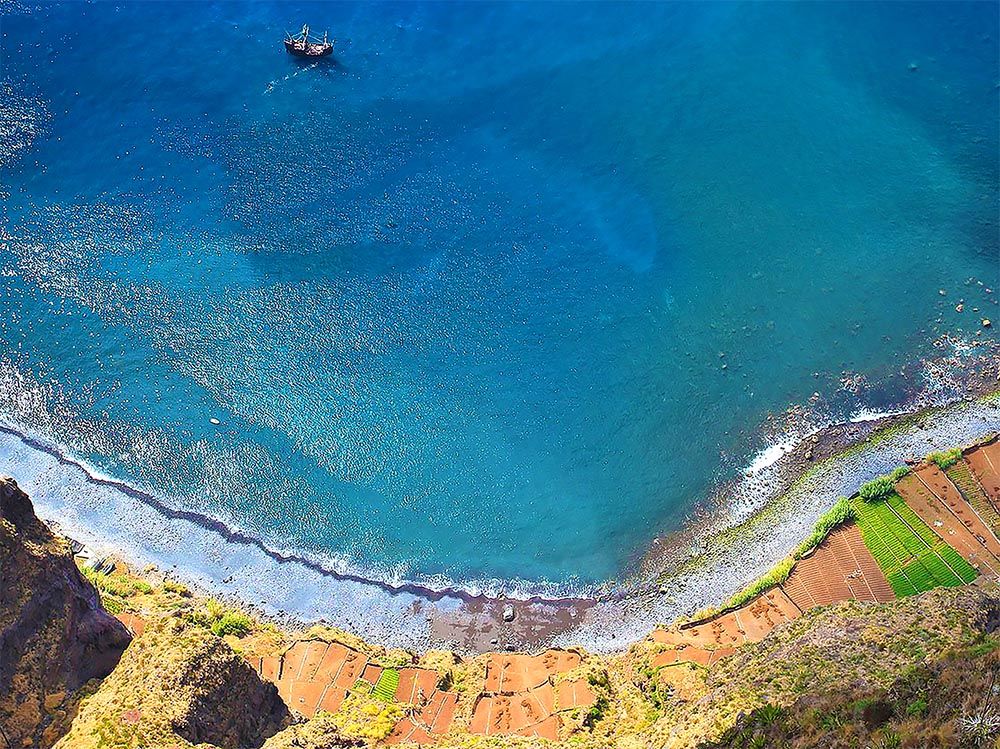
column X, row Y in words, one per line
column 54, row 635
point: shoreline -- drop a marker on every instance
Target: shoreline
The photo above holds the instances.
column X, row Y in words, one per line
column 801, row 447
column 236, row 566
column 234, row 536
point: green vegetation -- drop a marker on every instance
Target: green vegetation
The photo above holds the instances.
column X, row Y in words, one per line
column 881, row 487
column 837, row 515
column 169, row 586
column 362, row 716
column 912, row 557
column 946, row 459
column 219, row 619
column 940, row 703
column 601, row 685
column 385, row 687
column 176, row 686
column 917, row 707
column 597, row 711
column 652, row 688
column 115, row 589
column 115, row 584
column 125, row 592
column 233, row 623
column 841, row 512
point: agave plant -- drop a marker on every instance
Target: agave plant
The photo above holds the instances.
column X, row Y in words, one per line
column 978, row 729
column 888, row 740
column 768, row 714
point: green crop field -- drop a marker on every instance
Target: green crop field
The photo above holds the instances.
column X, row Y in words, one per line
column 385, row 689
column 911, row 555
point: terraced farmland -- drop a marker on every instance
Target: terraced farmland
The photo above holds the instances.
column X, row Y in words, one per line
column 385, row 687
column 960, row 527
column 912, row 557
column 968, row 485
column 985, row 464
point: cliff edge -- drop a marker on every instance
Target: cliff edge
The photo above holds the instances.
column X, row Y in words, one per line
column 54, row 635
column 178, row 685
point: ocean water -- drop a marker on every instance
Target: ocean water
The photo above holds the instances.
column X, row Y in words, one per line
column 503, row 291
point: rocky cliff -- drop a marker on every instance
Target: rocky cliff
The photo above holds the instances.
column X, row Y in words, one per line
column 178, row 685
column 54, row 636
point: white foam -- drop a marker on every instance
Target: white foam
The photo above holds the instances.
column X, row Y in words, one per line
column 772, row 454
column 868, row 414
column 727, row 568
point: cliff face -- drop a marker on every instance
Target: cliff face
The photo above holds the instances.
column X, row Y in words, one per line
column 54, row 636
column 178, row 685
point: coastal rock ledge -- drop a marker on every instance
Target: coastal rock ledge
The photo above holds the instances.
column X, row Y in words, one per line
column 54, row 635
column 179, row 682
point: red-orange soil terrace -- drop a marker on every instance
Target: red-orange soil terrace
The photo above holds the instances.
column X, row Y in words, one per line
column 707, row 641
column 935, row 480
column 133, row 623
column 842, row 568
column 314, row 675
column 519, row 697
column 839, row 569
column 985, row 464
column 435, row 718
column 955, row 522
column 525, row 694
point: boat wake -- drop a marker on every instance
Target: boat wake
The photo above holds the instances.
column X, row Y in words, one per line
column 272, row 85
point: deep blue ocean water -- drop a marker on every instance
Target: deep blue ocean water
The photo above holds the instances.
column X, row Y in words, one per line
column 505, row 290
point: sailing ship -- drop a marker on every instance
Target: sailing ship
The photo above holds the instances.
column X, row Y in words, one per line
column 300, row 45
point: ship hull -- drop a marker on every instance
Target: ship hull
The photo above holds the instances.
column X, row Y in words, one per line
column 312, row 51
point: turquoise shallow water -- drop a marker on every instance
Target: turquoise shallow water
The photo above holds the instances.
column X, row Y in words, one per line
column 505, row 291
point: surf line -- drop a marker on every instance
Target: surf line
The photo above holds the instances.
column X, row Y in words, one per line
column 232, row 536
column 273, row 84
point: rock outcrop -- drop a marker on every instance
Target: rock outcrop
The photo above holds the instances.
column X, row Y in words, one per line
column 54, row 636
column 178, row 685
column 317, row 733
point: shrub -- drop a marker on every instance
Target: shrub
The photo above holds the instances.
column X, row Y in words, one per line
column 946, row 459
column 219, row 619
column 888, row 740
column 768, row 714
column 917, row 708
column 880, row 488
column 364, row 717
column 231, row 623
column 652, row 689
column 840, row 513
column 978, row 729
column 170, row 586
column 112, row 604
column 115, row 584
column 596, row 712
